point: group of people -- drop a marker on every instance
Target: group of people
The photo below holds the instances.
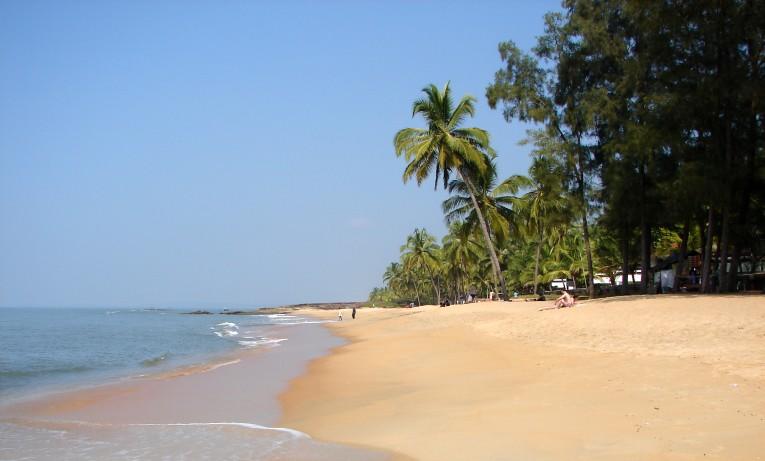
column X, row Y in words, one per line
column 340, row 314
column 564, row 300
column 467, row 298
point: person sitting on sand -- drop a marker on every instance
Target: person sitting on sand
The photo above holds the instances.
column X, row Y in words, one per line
column 565, row 300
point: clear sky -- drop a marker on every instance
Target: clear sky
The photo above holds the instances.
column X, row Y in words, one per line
column 226, row 153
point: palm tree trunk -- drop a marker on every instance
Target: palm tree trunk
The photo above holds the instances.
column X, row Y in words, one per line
column 486, row 236
column 462, row 286
column 536, row 262
column 435, row 287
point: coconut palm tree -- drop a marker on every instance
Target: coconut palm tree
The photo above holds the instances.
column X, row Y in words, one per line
column 448, row 148
column 494, row 202
column 517, row 260
column 542, row 205
column 420, row 252
column 460, row 253
column 397, row 280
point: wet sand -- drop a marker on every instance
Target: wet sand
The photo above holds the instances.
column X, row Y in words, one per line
column 644, row 378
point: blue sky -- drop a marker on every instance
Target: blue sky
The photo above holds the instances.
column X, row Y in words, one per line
column 226, row 153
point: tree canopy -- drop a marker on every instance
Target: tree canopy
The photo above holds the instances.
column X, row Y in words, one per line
column 648, row 154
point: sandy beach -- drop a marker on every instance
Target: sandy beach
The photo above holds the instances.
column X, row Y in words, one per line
column 636, row 378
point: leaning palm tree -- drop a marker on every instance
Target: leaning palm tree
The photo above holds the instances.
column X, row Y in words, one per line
column 445, row 146
column 495, row 202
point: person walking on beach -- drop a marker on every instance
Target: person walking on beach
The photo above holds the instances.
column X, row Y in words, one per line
column 353, row 313
column 340, row 315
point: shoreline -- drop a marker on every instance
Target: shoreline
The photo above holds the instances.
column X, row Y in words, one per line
column 98, row 397
column 231, row 400
column 669, row 377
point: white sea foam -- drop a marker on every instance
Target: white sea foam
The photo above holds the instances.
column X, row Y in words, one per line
column 287, row 319
column 226, row 329
column 226, row 333
column 62, row 441
column 262, row 342
column 294, row 433
column 218, row 365
column 305, row 322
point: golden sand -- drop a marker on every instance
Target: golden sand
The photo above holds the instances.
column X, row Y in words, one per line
column 639, row 378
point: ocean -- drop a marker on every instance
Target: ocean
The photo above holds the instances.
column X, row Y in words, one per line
column 51, row 348
column 222, row 404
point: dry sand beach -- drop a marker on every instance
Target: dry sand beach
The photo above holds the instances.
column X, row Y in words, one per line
column 634, row 378
column 640, row 378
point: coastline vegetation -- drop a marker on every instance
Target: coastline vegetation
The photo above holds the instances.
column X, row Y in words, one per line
column 647, row 157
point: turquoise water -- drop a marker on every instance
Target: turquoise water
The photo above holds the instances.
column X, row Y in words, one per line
column 51, row 348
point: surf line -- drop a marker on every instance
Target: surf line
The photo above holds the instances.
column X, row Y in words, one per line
column 294, row 433
column 218, row 365
column 63, row 423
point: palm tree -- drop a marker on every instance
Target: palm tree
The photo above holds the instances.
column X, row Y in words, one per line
column 404, row 279
column 395, row 279
column 494, row 202
column 421, row 252
column 569, row 251
column 542, row 205
column 460, row 253
column 447, row 147
column 520, row 252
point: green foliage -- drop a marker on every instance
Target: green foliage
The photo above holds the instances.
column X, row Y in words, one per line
column 666, row 241
column 659, row 111
column 448, row 147
column 650, row 141
column 495, row 202
column 443, row 145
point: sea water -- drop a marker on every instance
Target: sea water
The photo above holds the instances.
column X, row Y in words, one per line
column 50, row 348
column 47, row 350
